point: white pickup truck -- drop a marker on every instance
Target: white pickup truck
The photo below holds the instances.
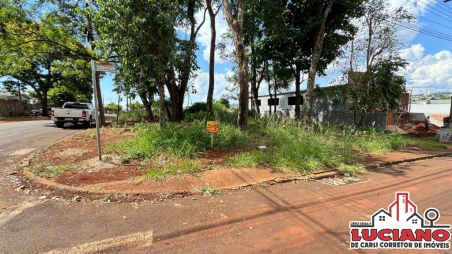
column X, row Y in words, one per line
column 74, row 112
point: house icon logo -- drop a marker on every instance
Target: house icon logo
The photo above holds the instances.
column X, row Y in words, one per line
column 400, row 227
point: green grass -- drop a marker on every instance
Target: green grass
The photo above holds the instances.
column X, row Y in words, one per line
column 290, row 148
column 352, row 169
column 132, row 115
column 209, row 191
column 180, row 140
column 172, row 167
column 47, row 170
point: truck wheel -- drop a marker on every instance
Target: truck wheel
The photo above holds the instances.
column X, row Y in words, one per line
column 59, row 125
column 91, row 122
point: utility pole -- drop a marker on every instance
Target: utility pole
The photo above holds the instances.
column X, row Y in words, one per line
column 18, row 84
column 450, row 112
column 20, row 97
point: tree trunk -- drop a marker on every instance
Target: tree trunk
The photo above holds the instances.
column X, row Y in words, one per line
column 236, row 26
column 100, row 105
column 255, row 85
column 162, row 118
column 45, row 102
column 270, row 106
column 177, row 105
column 317, row 52
column 168, row 113
column 90, row 39
column 297, row 92
column 185, row 71
column 176, row 96
column 213, row 34
column 358, row 118
column 274, row 101
column 147, row 105
column 256, row 103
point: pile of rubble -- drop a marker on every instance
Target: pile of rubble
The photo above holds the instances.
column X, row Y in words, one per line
column 415, row 129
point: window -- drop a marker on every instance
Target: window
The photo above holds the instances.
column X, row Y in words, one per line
column 414, row 221
column 258, row 102
column 76, row 106
column 292, row 100
column 381, row 218
column 274, row 101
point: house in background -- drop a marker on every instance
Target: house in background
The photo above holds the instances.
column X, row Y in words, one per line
column 326, row 111
column 12, row 105
column 284, row 102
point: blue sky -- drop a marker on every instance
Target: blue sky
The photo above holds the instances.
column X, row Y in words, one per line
column 429, row 57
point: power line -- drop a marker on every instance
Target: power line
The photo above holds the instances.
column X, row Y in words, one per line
column 439, row 36
column 413, row 27
column 435, row 8
column 435, row 22
column 418, row 27
column 433, row 12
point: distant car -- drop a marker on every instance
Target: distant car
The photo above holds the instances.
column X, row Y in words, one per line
column 38, row 112
column 74, row 112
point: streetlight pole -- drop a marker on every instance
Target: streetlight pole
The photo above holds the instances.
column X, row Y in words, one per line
column 450, row 112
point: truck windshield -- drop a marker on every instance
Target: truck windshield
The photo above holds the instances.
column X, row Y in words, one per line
column 78, row 106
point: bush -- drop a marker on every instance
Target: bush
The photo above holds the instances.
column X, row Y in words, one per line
column 197, row 107
column 134, row 115
column 197, row 116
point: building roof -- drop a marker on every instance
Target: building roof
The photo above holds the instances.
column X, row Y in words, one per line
column 4, row 95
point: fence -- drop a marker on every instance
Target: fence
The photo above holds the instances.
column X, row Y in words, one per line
column 13, row 108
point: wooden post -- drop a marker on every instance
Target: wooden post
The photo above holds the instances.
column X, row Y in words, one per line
column 211, row 140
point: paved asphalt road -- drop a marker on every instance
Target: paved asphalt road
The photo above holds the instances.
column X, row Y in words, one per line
column 301, row 217
column 19, row 139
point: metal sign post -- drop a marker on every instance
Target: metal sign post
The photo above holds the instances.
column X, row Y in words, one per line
column 99, row 66
column 212, row 127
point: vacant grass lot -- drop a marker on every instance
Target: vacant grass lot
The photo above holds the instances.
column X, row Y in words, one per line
column 288, row 146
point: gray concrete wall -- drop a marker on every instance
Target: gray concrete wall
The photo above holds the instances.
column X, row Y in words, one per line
column 324, row 111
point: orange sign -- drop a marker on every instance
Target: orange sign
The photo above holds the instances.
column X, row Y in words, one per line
column 213, row 126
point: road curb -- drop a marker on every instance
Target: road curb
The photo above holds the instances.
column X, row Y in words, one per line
column 386, row 164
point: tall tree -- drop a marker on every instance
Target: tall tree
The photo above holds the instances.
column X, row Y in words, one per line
column 234, row 17
column 372, row 56
column 213, row 34
column 322, row 12
column 331, row 24
column 278, row 79
column 41, row 51
column 142, row 35
column 257, row 55
column 287, row 26
column 186, row 59
column 290, row 27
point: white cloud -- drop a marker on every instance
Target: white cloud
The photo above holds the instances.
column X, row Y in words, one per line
column 201, row 85
column 432, row 72
column 413, row 53
column 204, row 35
